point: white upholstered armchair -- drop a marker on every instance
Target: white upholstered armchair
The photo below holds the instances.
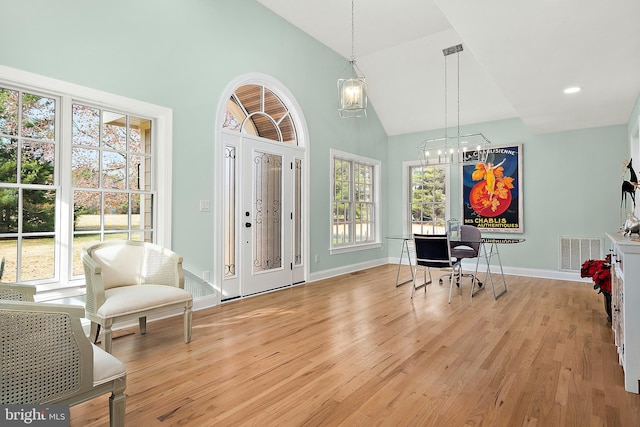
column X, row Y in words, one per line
column 46, row 358
column 127, row 280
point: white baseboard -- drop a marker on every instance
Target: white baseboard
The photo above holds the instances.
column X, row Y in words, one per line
column 326, row 274
column 515, row 271
column 201, row 303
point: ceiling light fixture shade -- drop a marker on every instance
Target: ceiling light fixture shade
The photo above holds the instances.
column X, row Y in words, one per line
column 352, row 94
column 352, row 86
column 467, row 148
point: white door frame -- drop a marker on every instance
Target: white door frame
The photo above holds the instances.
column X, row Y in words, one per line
column 302, row 151
column 253, row 281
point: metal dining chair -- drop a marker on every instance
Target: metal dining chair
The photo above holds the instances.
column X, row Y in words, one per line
column 468, row 247
column 434, row 251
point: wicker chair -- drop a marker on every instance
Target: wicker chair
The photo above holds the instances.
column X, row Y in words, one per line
column 127, row 280
column 17, row 291
column 46, row 358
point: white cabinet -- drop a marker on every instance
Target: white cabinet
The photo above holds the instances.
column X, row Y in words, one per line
column 625, row 301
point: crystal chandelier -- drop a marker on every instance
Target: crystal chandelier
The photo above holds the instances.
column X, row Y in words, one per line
column 466, row 148
column 352, row 95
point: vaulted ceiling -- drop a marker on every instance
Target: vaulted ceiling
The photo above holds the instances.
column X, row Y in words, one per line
column 518, row 58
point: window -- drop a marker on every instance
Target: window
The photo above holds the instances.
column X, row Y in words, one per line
column 111, row 178
column 427, row 199
column 76, row 172
column 355, row 184
column 29, row 196
column 257, row 110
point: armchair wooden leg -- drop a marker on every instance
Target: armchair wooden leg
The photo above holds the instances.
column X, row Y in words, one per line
column 188, row 316
column 142, row 321
column 94, row 333
column 117, row 406
column 106, row 336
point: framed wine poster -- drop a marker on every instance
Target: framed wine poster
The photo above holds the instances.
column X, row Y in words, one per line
column 492, row 191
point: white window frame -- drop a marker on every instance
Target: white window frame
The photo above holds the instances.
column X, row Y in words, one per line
column 377, row 165
column 22, row 235
column 406, row 200
column 162, row 147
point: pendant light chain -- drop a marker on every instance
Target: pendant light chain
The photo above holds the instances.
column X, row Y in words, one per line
column 446, row 94
column 352, row 90
column 458, row 57
column 353, row 32
column 454, row 148
column 445, row 98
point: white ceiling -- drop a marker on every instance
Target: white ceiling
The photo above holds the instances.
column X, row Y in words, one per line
column 518, row 57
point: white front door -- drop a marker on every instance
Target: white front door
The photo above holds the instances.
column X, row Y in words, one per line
column 266, row 216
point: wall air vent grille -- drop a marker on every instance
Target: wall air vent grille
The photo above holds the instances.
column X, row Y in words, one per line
column 576, row 250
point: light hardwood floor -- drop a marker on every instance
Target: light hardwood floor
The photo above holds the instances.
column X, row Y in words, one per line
column 354, row 350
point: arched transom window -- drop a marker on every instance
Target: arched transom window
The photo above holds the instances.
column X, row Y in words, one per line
column 256, row 110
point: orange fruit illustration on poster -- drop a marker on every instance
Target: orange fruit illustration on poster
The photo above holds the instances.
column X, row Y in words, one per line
column 491, row 196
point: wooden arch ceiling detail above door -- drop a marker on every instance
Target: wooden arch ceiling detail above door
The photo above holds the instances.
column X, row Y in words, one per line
column 258, row 111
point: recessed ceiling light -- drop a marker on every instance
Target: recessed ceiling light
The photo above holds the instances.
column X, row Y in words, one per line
column 574, row 89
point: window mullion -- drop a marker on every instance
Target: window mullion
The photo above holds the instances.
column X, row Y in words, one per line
column 65, row 192
column 352, row 203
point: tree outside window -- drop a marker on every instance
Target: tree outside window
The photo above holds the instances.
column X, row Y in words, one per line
column 109, row 183
column 355, row 198
column 428, row 199
column 111, row 178
column 28, row 193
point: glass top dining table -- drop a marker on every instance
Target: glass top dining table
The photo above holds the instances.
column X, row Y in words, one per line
column 488, row 250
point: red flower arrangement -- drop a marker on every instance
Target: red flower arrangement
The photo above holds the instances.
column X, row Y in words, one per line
column 600, row 272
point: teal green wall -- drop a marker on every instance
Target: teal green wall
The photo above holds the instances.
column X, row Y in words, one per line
column 634, row 119
column 182, row 55
column 634, row 131
column 571, row 185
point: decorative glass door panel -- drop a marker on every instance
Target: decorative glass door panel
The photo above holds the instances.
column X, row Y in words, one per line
column 267, row 217
column 267, row 211
column 230, row 212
